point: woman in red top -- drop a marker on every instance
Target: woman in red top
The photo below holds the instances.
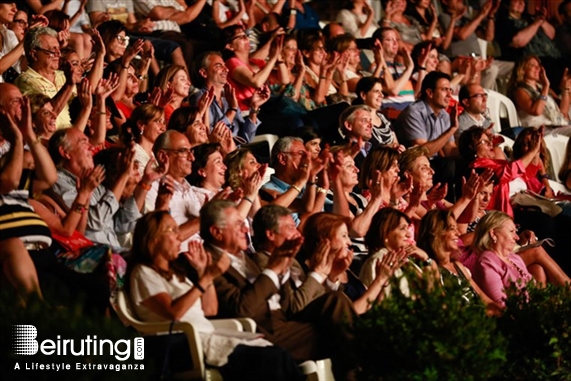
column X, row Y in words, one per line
column 247, row 74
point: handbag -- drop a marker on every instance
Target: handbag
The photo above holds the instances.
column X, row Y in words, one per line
column 529, row 199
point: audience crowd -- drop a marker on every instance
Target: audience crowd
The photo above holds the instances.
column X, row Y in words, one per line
column 232, row 158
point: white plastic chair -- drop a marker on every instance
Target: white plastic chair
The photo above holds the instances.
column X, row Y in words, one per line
column 270, row 138
column 556, row 145
column 483, row 47
column 314, row 370
column 500, row 107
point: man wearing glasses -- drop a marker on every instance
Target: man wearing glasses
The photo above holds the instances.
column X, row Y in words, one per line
column 474, row 100
column 42, row 76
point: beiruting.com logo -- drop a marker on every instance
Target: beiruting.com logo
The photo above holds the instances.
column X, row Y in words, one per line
column 25, row 343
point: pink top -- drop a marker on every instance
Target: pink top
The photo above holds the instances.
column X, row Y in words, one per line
column 243, row 92
column 531, row 180
column 505, row 171
column 493, row 275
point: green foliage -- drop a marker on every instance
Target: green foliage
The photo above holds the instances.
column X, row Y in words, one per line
column 537, row 324
column 70, row 323
column 434, row 336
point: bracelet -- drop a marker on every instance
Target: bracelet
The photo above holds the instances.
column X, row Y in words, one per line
column 280, row 62
column 248, row 199
column 322, row 77
column 427, row 263
column 544, row 176
column 125, row 67
column 421, row 68
column 232, row 109
column 491, row 18
column 143, row 77
column 200, row 288
column 542, row 98
column 321, row 190
column 145, row 186
column 254, row 111
column 79, row 208
column 37, row 141
column 101, row 113
column 296, row 188
column 293, row 12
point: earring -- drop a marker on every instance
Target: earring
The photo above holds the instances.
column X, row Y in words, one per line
column 495, row 240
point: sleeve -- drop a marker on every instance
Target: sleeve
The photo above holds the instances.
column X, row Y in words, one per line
column 412, row 126
column 249, row 301
column 444, row 20
column 145, row 283
column 97, row 6
column 102, row 207
column 145, row 7
column 247, row 128
column 349, row 22
column 505, row 31
column 233, row 63
column 512, row 170
column 126, row 218
column 488, row 275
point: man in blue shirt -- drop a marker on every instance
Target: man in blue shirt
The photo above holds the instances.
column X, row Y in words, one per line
column 212, row 71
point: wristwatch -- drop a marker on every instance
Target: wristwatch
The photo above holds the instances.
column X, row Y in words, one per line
column 427, row 263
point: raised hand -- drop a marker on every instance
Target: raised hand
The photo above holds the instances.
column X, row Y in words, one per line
column 198, row 257
column 437, row 193
column 230, row 95
column 90, row 179
column 260, row 97
column 321, row 261
column 375, row 185
column 282, row 257
column 470, row 188
column 106, row 87
column 154, row 171
column 84, row 93
column 37, row 21
column 132, row 51
column 98, row 44
column 165, row 193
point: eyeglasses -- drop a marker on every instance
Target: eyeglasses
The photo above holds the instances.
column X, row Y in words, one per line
column 123, row 40
column 239, row 37
column 23, row 23
column 183, row 152
column 479, row 95
column 485, row 142
column 295, row 153
column 50, row 53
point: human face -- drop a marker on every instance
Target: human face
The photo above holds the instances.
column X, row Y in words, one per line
column 47, row 55
column 433, row 61
column 240, row 42
column 250, row 165
column 313, row 148
column 317, row 53
column 294, row 155
column 340, row 238
column 478, row 101
column 286, row 230
column 233, row 232
column 19, row 25
column 118, row 45
column 422, row 3
column 79, row 152
column 439, row 98
column 196, row 132
column 349, row 172
column 374, row 97
column 154, row 127
column 45, row 121
column 7, row 12
column 180, row 156
column 422, row 173
column 449, row 239
column 214, row 170
column 74, row 61
column 216, row 71
column 484, row 147
column 516, row 7
column 505, row 236
column 166, row 244
column 532, row 70
column 392, row 175
column 289, row 52
column 484, row 197
column 362, row 125
column 132, row 87
column 399, row 237
column 181, row 83
column 390, row 44
column 12, row 101
column 354, row 54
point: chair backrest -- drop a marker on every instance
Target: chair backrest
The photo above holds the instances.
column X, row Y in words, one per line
column 556, row 145
column 500, row 107
column 124, row 309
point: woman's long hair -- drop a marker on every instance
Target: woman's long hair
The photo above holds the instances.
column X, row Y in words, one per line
column 318, row 227
column 433, row 226
column 384, row 221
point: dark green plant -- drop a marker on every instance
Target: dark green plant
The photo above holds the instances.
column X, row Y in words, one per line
column 537, row 324
column 434, row 335
column 72, row 322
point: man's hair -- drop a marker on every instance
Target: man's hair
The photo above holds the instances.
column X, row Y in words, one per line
column 378, row 34
column 202, row 62
column 212, row 214
column 267, row 218
column 32, row 39
column 348, row 115
column 58, row 139
column 282, row 145
column 464, row 94
column 163, row 141
column 429, row 82
column 561, row 8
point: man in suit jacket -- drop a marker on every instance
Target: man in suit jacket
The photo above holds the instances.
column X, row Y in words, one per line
column 273, row 225
column 247, row 291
